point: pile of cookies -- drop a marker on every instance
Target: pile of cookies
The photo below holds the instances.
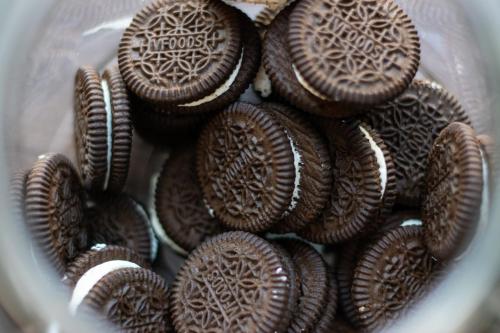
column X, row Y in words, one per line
column 343, row 152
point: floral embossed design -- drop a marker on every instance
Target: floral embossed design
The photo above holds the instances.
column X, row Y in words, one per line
column 136, row 304
column 227, row 289
column 66, row 212
column 179, row 43
column 392, row 276
column 180, row 203
column 354, row 45
column 240, row 169
column 409, row 125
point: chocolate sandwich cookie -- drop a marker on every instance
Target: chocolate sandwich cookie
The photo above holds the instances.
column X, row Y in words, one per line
column 54, row 209
column 453, row 192
column 356, row 52
column 350, row 253
column 182, row 53
column 234, row 282
column 134, row 299
column 277, row 65
column 120, row 220
column 409, row 125
column 97, row 255
column 391, row 276
column 313, row 179
column 183, row 219
column 246, row 168
column 363, row 184
column 314, row 283
column 103, row 129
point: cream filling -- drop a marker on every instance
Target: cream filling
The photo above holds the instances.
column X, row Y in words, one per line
column 98, row 247
column 411, row 222
column 222, row 89
column 262, row 83
column 209, row 208
column 152, row 237
column 379, row 154
column 109, row 130
column 88, row 280
column 297, row 163
column 252, row 10
column 157, row 227
column 306, row 85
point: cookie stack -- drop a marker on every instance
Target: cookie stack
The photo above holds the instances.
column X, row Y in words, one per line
column 347, row 154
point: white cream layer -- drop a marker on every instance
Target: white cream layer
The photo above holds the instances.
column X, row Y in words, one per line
column 411, row 222
column 297, row 163
column 88, row 280
column 155, row 222
column 209, row 208
column 220, row 90
column 252, row 10
column 109, row 130
column 379, row 154
column 306, row 85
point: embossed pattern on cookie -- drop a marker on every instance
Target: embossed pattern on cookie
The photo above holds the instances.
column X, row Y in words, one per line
column 234, row 282
column 174, row 51
column 361, row 52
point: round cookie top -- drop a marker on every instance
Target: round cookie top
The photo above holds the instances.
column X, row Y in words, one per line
column 179, row 202
column 90, row 127
column 120, row 220
column 100, row 254
column 453, row 192
column 314, row 284
column 54, row 209
column 134, row 299
column 234, row 282
column 245, row 166
column 391, row 276
column 409, row 125
column 361, row 52
column 277, row 65
column 357, row 191
column 179, row 51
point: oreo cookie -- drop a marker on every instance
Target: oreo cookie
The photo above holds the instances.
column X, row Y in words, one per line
column 391, row 276
column 120, row 220
column 277, row 65
column 97, row 255
column 181, row 53
column 103, row 129
column 314, row 284
column 17, row 194
column 358, row 52
column 363, row 187
column 453, row 192
column 54, row 209
column 313, row 175
column 245, row 165
column 134, row 299
column 327, row 322
column 351, row 252
column 409, row 125
column 183, row 219
column 233, row 275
